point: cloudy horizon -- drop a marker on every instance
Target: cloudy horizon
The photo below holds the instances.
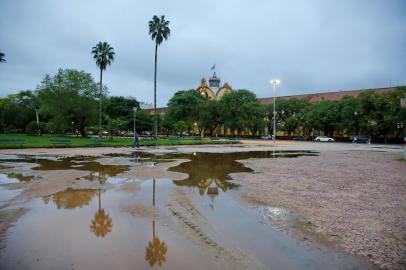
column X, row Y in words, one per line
column 312, row 46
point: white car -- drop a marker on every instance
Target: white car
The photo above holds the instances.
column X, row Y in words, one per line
column 324, row 139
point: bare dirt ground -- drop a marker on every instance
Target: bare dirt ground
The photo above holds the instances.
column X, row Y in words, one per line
column 352, row 194
column 356, row 198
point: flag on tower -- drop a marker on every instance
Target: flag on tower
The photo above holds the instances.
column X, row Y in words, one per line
column 213, row 67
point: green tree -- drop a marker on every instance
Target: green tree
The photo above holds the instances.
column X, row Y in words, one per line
column 2, row 57
column 159, row 31
column 69, row 97
column 104, row 54
column 186, row 106
column 239, row 109
column 14, row 117
column 323, row 116
column 29, row 100
column 209, row 117
column 180, row 127
column 119, row 110
column 257, row 123
column 350, row 115
column 289, row 113
column 381, row 112
column 144, row 121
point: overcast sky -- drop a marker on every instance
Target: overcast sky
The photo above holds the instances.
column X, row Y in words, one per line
column 312, row 45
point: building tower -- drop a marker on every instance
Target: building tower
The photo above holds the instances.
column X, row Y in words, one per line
column 214, row 82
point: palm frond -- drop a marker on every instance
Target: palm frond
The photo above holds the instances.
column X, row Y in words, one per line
column 2, row 57
column 104, row 54
column 159, row 29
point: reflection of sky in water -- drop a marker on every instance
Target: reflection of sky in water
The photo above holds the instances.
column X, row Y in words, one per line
column 5, row 193
column 274, row 213
column 4, row 179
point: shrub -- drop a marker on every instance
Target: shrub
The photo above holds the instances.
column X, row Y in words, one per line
column 33, row 128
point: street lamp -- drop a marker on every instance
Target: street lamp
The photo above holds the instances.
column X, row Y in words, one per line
column 135, row 139
column 274, row 83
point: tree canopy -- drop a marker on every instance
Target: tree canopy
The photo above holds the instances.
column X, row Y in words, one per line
column 69, row 98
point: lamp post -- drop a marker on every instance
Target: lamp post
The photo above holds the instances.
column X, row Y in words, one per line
column 274, row 83
column 135, row 139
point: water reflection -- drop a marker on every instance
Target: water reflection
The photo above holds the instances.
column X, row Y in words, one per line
column 71, row 198
column 155, row 251
column 20, row 177
column 82, row 163
column 99, row 176
column 210, row 171
column 102, row 223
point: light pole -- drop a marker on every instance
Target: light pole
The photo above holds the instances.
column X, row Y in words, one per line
column 274, row 83
column 135, row 139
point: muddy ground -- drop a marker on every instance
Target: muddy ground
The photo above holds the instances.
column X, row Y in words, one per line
column 353, row 195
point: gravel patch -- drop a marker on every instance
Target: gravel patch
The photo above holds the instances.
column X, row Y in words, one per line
column 356, row 198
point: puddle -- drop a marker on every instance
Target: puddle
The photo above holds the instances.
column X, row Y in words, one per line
column 184, row 224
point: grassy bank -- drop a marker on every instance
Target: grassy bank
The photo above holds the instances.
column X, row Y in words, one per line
column 25, row 141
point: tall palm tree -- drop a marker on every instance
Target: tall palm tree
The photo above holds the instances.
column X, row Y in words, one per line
column 159, row 31
column 2, row 57
column 104, row 54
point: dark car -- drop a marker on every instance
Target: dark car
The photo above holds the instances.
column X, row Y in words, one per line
column 361, row 139
column 300, row 138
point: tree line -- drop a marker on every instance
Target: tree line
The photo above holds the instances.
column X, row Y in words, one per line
column 371, row 113
column 68, row 102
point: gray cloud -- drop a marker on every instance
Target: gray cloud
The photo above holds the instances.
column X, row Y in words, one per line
column 312, row 45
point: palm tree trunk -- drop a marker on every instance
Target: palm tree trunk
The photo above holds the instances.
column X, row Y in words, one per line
column 153, row 193
column 99, row 200
column 100, row 97
column 153, row 229
column 36, row 115
column 156, row 118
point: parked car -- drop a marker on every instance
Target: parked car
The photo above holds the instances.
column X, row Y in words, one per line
column 267, row 137
column 324, row 139
column 300, row 138
column 361, row 139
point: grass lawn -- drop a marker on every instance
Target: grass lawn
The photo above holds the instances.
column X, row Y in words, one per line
column 25, row 141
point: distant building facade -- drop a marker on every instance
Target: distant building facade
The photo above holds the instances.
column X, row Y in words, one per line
column 213, row 89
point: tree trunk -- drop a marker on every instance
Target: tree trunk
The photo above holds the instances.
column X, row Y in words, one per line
column 36, row 115
column 82, row 131
column 100, row 98
column 156, row 118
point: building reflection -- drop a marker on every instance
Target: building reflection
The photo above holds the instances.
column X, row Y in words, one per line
column 99, row 176
column 209, row 173
column 155, row 251
column 101, row 224
column 71, row 198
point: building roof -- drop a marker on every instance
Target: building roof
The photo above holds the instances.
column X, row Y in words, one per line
column 316, row 97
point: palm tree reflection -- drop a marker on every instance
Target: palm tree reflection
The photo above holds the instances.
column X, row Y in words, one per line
column 155, row 252
column 156, row 249
column 102, row 223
